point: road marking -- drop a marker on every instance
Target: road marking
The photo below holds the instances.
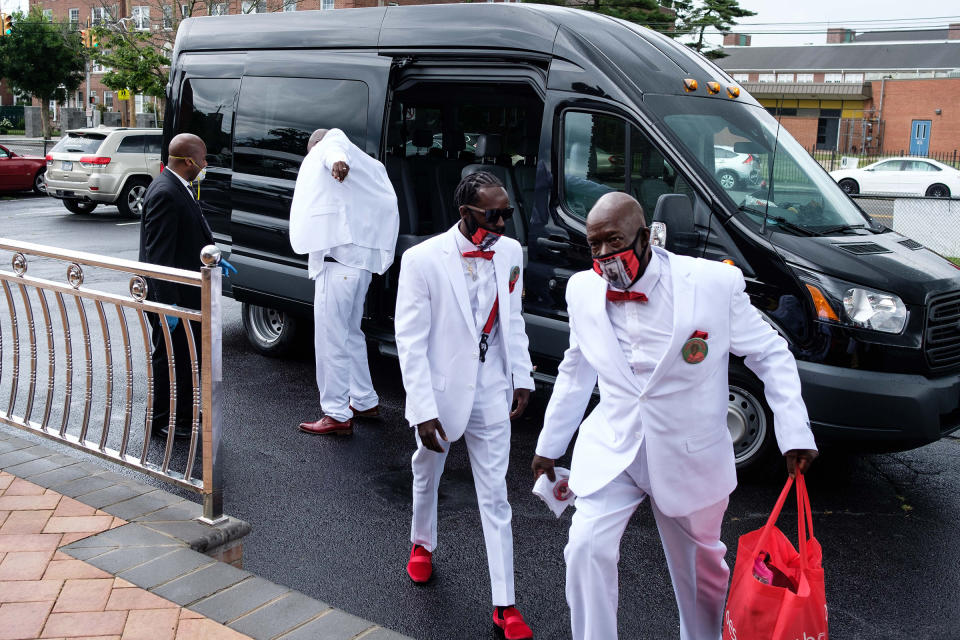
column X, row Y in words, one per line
column 123, row 224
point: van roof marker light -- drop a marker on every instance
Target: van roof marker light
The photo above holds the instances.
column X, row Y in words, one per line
column 689, row 84
column 733, row 92
column 713, row 88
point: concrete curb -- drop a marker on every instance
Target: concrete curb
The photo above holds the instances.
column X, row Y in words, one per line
column 163, row 549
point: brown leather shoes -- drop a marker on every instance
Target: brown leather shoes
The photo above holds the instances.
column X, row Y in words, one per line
column 373, row 412
column 328, row 426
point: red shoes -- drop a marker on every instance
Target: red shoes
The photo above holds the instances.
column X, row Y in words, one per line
column 373, row 412
column 510, row 620
column 328, row 426
column 420, row 565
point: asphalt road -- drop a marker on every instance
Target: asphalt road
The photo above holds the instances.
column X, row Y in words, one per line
column 330, row 516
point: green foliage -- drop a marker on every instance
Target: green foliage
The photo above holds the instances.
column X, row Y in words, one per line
column 134, row 62
column 645, row 12
column 695, row 18
column 42, row 59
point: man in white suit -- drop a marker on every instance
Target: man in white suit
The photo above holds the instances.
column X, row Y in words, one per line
column 655, row 330
column 464, row 361
column 344, row 214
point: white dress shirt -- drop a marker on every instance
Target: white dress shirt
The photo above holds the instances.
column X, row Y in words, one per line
column 183, row 181
column 644, row 329
column 480, row 277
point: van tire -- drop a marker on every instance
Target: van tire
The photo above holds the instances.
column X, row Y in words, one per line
column 270, row 332
column 938, row 191
column 750, row 422
column 76, row 206
column 130, row 202
column 849, row 186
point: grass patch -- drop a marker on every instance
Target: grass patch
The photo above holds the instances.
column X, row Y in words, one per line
column 955, row 261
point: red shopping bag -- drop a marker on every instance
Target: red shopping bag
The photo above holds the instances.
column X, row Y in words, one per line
column 793, row 606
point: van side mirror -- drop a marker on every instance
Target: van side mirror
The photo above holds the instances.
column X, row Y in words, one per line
column 672, row 227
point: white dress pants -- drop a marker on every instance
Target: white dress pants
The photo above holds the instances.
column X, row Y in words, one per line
column 489, row 448
column 691, row 544
column 343, row 375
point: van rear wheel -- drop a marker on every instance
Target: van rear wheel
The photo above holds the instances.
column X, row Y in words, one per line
column 750, row 423
column 270, row 332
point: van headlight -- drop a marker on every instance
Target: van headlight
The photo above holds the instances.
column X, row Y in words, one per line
column 849, row 304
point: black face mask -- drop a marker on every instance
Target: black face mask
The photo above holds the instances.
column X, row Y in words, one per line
column 481, row 237
column 621, row 269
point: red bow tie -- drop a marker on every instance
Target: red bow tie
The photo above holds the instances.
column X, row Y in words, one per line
column 623, row 296
column 486, row 255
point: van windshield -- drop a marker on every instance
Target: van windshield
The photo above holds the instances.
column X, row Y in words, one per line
column 774, row 181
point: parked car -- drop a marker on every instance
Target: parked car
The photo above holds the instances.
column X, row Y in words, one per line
column 19, row 173
column 915, row 176
column 105, row 165
column 872, row 317
column 735, row 170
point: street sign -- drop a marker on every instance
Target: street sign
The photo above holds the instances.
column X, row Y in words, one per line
column 123, row 94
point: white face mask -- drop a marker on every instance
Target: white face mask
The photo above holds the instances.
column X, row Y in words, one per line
column 201, row 175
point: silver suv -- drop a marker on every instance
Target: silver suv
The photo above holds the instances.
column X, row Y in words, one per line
column 106, row 165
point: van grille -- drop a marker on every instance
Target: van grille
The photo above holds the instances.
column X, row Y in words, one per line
column 862, row 248
column 942, row 336
column 911, row 244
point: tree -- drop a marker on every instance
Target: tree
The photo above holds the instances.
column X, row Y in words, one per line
column 42, row 59
column 133, row 63
column 695, row 18
column 646, row 12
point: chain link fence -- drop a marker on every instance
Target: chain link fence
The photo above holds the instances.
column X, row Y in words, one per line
column 933, row 222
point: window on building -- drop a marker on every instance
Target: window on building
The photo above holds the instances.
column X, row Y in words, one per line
column 853, row 77
column 108, row 99
column 207, row 110
column 48, row 15
column 804, row 77
column 254, row 6
column 80, row 99
column 276, row 116
column 102, row 15
column 290, row 5
column 768, row 77
column 220, row 9
column 327, row 5
column 141, row 17
column 833, row 77
column 74, row 18
column 784, row 77
column 186, row 10
column 741, row 77
column 167, row 16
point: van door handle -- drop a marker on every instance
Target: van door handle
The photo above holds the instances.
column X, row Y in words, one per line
column 554, row 244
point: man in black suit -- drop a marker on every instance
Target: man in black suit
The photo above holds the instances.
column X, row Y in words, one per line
column 172, row 234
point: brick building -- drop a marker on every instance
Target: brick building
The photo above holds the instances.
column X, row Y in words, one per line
column 873, row 92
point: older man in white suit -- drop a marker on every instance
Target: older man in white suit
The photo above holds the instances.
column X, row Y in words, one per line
column 656, row 330
column 344, row 214
column 464, row 361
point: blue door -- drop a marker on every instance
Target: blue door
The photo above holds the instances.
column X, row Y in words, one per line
column 920, row 137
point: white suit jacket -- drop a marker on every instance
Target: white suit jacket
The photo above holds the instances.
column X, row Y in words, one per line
column 682, row 411
column 360, row 211
column 437, row 335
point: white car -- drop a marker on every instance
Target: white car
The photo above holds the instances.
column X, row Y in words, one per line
column 916, row 176
column 734, row 169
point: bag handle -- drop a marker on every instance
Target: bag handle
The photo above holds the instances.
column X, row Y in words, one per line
column 774, row 515
column 804, row 518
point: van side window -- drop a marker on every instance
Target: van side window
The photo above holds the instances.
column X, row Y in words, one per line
column 603, row 153
column 131, row 144
column 276, row 116
column 206, row 110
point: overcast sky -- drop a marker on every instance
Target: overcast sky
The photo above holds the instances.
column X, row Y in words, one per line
column 889, row 14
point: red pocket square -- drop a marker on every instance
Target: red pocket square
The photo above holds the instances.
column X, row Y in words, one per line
column 703, row 335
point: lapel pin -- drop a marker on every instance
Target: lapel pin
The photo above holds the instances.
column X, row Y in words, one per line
column 695, row 348
column 514, row 276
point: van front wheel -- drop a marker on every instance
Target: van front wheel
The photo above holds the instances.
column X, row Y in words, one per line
column 270, row 332
column 750, row 423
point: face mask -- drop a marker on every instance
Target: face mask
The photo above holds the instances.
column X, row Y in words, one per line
column 620, row 268
column 483, row 238
column 201, row 175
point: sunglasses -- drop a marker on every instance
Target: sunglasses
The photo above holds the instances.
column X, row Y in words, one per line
column 492, row 215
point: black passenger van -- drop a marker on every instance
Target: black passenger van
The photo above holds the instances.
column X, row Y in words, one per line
column 564, row 106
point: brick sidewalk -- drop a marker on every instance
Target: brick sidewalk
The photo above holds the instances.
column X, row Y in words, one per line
column 45, row 593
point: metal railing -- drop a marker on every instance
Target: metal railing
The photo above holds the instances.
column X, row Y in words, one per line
column 116, row 374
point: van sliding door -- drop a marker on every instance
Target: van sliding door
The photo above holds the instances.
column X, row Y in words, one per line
column 284, row 97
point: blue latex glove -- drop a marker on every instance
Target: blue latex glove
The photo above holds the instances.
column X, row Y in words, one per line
column 227, row 268
column 172, row 321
